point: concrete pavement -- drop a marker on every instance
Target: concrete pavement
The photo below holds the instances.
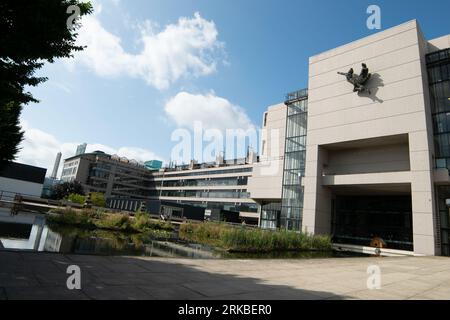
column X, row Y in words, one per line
column 26, row 275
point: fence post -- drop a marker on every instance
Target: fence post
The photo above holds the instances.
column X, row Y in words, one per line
column 88, row 202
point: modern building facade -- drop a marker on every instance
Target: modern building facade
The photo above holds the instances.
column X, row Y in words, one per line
column 354, row 155
column 81, row 149
column 370, row 157
column 219, row 185
column 371, row 162
column 109, row 174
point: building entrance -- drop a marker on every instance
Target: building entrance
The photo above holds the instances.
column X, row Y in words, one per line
column 359, row 219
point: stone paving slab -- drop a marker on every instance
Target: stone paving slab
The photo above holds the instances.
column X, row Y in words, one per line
column 26, row 275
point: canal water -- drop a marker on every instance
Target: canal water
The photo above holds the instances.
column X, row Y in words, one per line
column 31, row 232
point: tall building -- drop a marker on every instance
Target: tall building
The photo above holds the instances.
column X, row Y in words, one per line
column 56, row 166
column 81, row 149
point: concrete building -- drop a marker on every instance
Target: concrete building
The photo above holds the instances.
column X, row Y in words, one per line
column 368, row 164
column 219, row 185
column 370, row 156
column 111, row 175
column 355, row 157
column 17, row 178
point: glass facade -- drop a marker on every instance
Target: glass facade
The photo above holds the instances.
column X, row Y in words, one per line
column 231, row 194
column 294, row 161
column 439, row 80
column 236, row 207
column 270, row 215
column 360, row 219
column 206, row 173
column 233, row 181
column 438, row 64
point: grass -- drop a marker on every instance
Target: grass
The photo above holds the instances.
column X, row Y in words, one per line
column 97, row 219
column 241, row 239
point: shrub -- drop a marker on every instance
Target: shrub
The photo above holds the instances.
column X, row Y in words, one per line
column 98, row 199
column 142, row 222
column 71, row 217
column 76, row 198
column 97, row 218
column 115, row 221
column 258, row 240
column 94, row 214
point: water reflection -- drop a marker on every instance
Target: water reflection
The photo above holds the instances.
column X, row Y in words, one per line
column 20, row 235
column 32, row 232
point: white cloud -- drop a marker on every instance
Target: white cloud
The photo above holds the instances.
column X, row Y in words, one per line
column 40, row 148
column 189, row 48
column 212, row 111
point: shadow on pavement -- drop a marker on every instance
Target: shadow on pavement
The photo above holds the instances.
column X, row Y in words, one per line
column 43, row 276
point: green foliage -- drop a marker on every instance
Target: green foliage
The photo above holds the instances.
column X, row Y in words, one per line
column 98, row 199
column 95, row 214
column 76, row 198
column 142, row 222
column 252, row 240
column 116, row 221
column 70, row 217
column 32, row 33
column 11, row 134
column 64, row 190
column 98, row 219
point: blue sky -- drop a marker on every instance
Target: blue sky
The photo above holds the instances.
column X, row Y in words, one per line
column 231, row 60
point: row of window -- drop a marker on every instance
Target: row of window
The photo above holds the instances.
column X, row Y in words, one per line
column 212, row 172
column 235, row 181
column 241, row 207
column 438, row 56
column 69, row 171
column 232, row 194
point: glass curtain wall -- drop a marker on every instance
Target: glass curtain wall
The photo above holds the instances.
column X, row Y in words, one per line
column 438, row 64
column 439, row 79
column 270, row 215
column 294, row 161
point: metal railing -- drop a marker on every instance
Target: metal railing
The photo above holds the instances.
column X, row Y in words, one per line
column 21, row 201
column 296, row 95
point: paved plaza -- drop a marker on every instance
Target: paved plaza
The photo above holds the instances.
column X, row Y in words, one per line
column 26, row 275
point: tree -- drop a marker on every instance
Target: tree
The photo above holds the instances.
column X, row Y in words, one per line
column 10, row 134
column 63, row 190
column 31, row 33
